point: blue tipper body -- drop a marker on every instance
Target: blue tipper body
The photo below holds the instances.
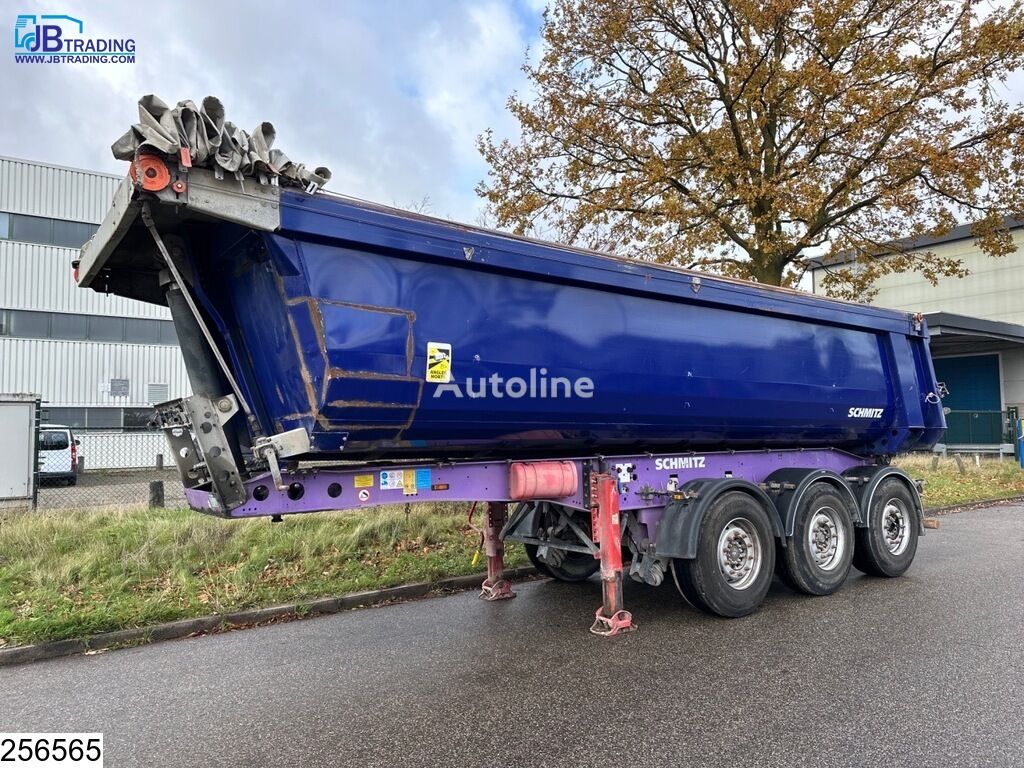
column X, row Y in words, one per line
column 327, row 323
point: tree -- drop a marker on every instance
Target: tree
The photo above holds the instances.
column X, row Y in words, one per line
column 738, row 135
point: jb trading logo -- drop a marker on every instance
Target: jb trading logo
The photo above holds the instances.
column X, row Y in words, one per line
column 59, row 39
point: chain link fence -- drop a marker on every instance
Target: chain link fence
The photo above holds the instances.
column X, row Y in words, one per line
column 88, row 468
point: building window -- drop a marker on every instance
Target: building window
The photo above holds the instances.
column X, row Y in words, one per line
column 138, row 418
column 71, row 327
column 23, row 323
column 31, row 229
column 29, row 325
column 45, row 231
column 142, row 331
column 84, row 418
column 100, row 418
column 103, row 328
column 167, row 333
column 71, row 234
column 69, row 417
column 112, row 419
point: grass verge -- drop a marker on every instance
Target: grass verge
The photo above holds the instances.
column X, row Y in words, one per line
column 69, row 574
column 945, row 484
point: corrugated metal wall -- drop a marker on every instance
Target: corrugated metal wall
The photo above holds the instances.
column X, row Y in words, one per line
column 59, row 193
column 75, row 373
column 40, row 277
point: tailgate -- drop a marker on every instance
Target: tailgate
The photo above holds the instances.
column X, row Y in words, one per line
column 121, row 257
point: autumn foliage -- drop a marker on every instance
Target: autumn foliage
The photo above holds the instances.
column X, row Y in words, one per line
column 740, row 136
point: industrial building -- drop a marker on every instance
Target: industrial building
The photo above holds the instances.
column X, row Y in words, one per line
column 98, row 361
column 977, row 329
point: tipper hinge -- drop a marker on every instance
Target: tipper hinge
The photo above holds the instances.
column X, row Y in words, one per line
column 270, row 449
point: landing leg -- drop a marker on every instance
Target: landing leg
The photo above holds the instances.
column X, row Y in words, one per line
column 611, row 619
column 495, row 586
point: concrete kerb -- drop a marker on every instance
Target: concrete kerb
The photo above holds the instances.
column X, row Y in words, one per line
column 173, row 630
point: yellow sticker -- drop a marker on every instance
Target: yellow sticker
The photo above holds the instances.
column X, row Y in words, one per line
column 439, row 362
column 363, row 481
column 409, row 482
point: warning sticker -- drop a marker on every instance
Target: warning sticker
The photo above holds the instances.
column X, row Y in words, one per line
column 363, row 481
column 392, row 479
column 423, row 478
column 439, row 362
column 409, row 482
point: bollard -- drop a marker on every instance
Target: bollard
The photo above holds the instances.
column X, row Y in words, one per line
column 81, row 464
column 156, row 494
column 960, row 463
column 159, row 461
column 935, row 462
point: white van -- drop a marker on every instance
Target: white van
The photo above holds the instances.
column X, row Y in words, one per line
column 58, row 454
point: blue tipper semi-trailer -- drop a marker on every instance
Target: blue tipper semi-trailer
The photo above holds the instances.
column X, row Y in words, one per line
column 641, row 420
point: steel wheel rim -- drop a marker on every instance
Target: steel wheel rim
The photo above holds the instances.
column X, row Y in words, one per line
column 740, row 553
column 895, row 527
column 826, row 539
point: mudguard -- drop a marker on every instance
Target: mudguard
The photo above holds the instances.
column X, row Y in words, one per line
column 795, row 483
column 864, row 481
column 679, row 527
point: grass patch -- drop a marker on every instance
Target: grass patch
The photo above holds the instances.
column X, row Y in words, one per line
column 67, row 574
column 945, row 484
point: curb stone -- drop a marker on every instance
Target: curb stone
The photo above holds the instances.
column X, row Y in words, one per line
column 969, row 505
column 173, row 630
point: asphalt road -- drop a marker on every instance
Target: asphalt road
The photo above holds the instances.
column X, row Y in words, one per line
column 927, row 670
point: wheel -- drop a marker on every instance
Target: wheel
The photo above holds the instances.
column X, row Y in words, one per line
column 818, row 555
column 735, row 558
column 887, row 545
column 560, row 565
column 575, row 566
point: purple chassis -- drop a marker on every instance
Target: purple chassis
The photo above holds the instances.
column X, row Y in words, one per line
column 642, row 485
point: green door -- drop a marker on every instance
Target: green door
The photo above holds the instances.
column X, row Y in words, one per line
column 973, row 397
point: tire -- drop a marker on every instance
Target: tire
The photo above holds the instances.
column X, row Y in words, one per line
column 887, row 545
column 573, row 567
column 576, row 566
column 736, row 527
column 818, row 556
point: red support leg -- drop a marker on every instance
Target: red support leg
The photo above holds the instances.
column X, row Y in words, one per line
column 611, row 619
column 495, row 586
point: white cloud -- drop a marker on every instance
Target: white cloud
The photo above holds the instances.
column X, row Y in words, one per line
column 463, row 77
column 391, row 95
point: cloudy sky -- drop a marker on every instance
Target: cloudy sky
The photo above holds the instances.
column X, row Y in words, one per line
column 390, row 94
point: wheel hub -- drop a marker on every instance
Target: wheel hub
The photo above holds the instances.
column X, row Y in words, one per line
column 739, row 553
column 895, row 523
column 826, row 538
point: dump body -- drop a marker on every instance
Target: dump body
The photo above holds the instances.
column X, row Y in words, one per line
column 326, row 310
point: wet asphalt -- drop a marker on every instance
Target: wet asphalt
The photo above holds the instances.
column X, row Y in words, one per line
column 926, row 670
